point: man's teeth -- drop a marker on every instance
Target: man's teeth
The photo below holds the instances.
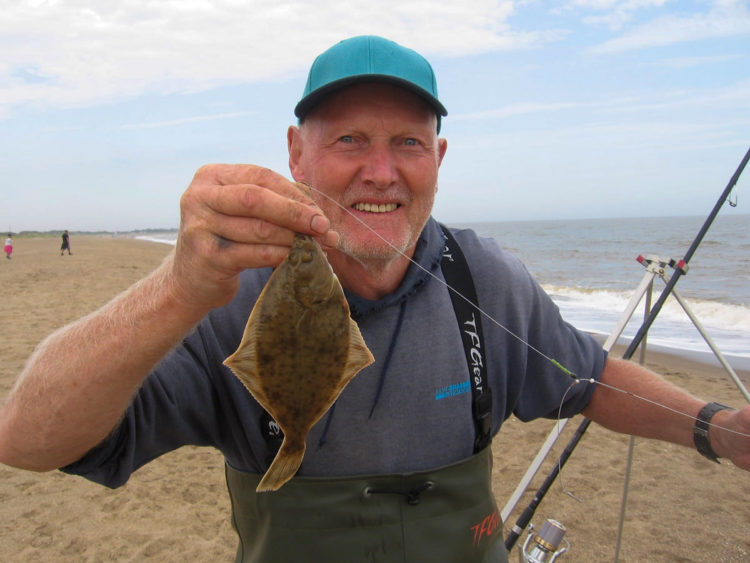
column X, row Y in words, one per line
column 373, row 208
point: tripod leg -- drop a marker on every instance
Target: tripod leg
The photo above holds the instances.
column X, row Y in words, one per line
column 714, row 349
column 631, row 442
column 641, row 290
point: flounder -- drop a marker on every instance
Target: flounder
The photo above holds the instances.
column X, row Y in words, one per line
column 299, row 350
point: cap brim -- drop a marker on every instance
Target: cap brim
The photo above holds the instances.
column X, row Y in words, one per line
column 315, row 97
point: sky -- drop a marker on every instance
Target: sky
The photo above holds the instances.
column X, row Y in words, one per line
column 556, row 110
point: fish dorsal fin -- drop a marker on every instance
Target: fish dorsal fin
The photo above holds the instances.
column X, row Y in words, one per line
column 359, row 354
column 244, row 361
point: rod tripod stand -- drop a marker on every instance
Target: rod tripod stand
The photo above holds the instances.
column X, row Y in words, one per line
column 679, row 269
column 655, row 267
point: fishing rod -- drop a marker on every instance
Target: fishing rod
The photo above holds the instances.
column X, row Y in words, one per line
column 680, row 268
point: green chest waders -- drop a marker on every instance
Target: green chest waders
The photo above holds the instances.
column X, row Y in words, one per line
column 444, row 515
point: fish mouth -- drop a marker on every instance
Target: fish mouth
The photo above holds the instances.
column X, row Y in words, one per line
column 376, row 207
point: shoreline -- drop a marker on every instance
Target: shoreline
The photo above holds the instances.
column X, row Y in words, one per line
column 740, row 364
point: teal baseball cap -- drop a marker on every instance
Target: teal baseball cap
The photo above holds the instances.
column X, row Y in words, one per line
column 369, row 58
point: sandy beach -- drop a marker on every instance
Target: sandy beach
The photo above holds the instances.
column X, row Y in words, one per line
column 681, row 507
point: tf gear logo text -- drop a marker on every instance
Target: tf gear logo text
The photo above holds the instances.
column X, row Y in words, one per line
column 486, row 528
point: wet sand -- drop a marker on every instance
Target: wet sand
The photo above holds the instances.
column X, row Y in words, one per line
column 681, row 507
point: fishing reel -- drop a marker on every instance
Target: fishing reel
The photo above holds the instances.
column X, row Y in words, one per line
column 544, row 547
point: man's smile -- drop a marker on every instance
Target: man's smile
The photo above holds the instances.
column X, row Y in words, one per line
column 376, row 208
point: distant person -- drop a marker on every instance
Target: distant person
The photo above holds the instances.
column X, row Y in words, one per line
column 9, row 246
column 65, row 243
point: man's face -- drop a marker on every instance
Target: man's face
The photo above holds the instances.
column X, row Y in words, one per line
column 374, row 149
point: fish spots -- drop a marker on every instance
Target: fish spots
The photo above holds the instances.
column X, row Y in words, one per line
column 297, row 355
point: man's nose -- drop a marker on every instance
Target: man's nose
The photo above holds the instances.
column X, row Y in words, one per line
column 380, row 167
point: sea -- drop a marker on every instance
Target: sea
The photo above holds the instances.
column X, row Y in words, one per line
column 591, row 270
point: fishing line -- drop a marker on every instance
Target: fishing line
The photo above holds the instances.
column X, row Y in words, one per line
column 671, row 409
column 564, row 489
column 446, row 284
column 489, row 317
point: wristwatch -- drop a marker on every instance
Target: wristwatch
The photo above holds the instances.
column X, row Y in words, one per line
column 700, row 430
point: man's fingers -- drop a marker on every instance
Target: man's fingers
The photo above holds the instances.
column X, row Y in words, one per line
column 233, row 257
column 252, row 201
column 235, row 217
column 248, row 174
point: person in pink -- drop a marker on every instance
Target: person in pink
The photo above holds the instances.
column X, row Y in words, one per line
column 8, row 246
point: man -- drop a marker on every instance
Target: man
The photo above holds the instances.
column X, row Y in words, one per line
column 398, row 470
column 65, row 243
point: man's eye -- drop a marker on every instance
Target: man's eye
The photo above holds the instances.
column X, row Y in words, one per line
column 411, row 142
column 346, row 139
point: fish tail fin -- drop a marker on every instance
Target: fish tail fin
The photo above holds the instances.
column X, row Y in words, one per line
column 284, row 466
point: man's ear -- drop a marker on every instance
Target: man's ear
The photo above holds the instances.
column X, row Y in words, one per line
column 294, row 146
column 442, row 147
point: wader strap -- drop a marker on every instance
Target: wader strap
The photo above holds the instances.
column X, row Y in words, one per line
column 458, row 276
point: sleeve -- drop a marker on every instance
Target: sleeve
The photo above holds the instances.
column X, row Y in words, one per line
column 190, row 398
column 547, row 389
column 527, row 338
column 554, row 347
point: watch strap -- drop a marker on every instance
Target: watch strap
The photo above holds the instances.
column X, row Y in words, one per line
column 700, row 430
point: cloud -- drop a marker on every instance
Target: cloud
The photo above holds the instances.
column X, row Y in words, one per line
column 725, row 19
column 688, row 62
column 657, row 121
column 177, row 122
column 78, row 52
column 615, row 13
column 735, row 95
column 513, row 110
